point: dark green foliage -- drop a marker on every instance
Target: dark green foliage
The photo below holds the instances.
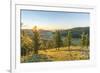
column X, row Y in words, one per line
column 76, row 32
column 26, row 44
column 69, row 39
column 57, row 40
column 43, row 44
column 83, row 39
column 49, row 44
column 65, row 42
column 87, row 40
column 36, row 40
column 23, row 51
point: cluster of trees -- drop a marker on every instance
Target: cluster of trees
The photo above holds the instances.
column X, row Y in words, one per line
column 36, row 43
column 26, row 44
column 84, row 40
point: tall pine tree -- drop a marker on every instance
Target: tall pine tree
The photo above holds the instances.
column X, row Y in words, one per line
column 69, row 39
column 36, row 40
column 83, row 39
column 57, row 38
column 87, row 40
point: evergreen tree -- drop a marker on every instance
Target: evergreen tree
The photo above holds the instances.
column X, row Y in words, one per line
column 57, row 38
column 83, row 39
column 43, row 44
column 69, row 39
column 86, row 40
column 65, row 44
column 26, row 44
column 50, row 44
column 36, row 39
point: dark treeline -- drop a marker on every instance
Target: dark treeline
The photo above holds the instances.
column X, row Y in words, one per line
column 58, row 39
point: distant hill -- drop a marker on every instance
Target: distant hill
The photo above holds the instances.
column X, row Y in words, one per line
column 47, row 34
column 76, row 32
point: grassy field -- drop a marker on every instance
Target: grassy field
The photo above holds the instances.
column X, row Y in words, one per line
column 63, row 54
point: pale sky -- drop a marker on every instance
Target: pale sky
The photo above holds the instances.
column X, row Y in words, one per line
column 51, row 20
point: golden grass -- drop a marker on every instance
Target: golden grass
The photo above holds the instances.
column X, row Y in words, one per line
column 63, row 54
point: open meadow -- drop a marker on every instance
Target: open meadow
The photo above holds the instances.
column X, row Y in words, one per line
column 63, row 54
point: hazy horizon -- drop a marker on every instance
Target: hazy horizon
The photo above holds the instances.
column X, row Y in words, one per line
column 52, row 29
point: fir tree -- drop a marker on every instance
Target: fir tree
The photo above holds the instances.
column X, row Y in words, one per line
column 69, row 39
column 57, row 38
column 83, row 38
column 36, row 39
column 86, row 40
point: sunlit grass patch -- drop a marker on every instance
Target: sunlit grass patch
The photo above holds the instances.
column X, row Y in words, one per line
column 63, row 54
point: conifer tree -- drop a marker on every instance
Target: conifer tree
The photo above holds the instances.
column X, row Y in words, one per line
column 26, row 44
column 57, row 38
column 43, row 44
column 68, row 43
column 83, row 39
column 86, row 40
column 69, row 39
column 36, row 39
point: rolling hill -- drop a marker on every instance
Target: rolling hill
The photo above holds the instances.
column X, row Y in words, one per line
column 76, row 32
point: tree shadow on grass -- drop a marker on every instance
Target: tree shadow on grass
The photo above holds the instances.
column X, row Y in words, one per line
column 39, row 58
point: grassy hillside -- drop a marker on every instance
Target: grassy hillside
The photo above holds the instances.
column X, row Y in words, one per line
column 76, row 53
column 62, row 45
